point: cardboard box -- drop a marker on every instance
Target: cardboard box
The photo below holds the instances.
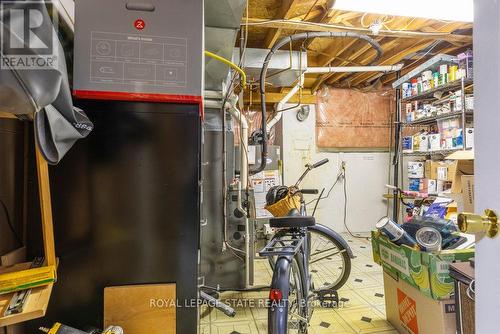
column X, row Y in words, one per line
column 423, row 143
column 427, row 272
column 141, row 309
column 435, row 142
column 468, row 192
column 431, row 168
column 414, row 184
column 456, row 170
column 428, row 186
column 416, row 169
column 408, row 144
column 469, row 137
column 409, row 311
column 442, row 173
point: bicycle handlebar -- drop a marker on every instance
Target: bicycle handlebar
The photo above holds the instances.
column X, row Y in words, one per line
column 309, row 191
column 320, row 163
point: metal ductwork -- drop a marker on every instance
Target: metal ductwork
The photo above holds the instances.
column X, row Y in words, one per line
column 222, row 22
column 284, row 69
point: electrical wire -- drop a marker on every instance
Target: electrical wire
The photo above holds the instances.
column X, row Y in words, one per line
column 10, row 224
column 339, row 177
column 267, row 60
column 345, row 210
column 436, row 43
column 359, row 30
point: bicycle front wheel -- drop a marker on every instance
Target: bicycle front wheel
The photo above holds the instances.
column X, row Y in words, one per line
column 288, row 314
column 329, row 261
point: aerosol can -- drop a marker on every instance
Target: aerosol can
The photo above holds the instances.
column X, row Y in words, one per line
column 395, row 232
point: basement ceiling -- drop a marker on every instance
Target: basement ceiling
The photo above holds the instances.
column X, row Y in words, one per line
column 403, row 39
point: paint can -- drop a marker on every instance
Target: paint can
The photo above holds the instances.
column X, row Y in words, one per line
column 435, row 77
column 395, row 232
column 452, row 75
column 443, row 74
column 406, row 90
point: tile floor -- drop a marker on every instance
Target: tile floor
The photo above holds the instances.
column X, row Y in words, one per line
column 364, row 312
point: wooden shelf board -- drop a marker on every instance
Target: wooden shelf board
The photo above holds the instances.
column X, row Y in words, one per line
column 36, row 306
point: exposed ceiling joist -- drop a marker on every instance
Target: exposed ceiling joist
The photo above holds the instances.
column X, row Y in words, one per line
column 304, row 26
column 403, row 50
column 271, row 98
column 355, row 49
column 286, row 12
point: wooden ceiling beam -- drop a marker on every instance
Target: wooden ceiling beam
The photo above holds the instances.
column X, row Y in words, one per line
column 397, row 55
column 387, row 45
column 286, row 11
column 271, row 98
column 365, row 58
column 391, row 58
column 351, row 51
column 333, row 50
column 301, row 26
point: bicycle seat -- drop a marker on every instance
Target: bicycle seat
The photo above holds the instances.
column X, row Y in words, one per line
column 293, row 220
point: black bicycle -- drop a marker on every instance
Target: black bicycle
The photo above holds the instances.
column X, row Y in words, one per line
column 310, row 263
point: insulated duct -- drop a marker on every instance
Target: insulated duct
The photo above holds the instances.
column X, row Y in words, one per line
column 289, row 40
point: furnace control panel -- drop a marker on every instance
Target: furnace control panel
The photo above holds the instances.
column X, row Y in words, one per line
column 153, row 50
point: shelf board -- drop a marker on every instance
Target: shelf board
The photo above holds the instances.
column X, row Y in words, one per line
column 431, row 64
column 430, row 93
column 36, row 306
column 390, row 196
column 433, row 153
column 431, row 120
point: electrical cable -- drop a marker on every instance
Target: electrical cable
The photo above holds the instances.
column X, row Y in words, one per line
column 10, row 224
column 267, row 60
column 339, row 177
column 436, row 43
column 351, row 29
column 345, row 211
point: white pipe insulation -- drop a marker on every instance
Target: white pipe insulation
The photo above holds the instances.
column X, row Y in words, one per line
column 231, row 107
column 352, row 69
column 281, row 104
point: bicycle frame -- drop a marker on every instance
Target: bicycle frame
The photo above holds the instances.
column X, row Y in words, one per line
column 297, row 246
column 289, row 244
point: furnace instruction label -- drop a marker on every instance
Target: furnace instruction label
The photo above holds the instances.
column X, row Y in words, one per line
column 138, row 59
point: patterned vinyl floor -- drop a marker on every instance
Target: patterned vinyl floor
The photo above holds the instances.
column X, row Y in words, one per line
column 363, row 311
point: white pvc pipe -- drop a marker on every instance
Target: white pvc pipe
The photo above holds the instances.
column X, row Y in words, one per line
column 212, row 104
column 243, row 182
column 347, row 69
column 242, row 121
column 281, row 104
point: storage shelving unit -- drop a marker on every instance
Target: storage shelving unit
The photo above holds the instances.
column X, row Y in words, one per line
column 23, row 276
column 434, row 96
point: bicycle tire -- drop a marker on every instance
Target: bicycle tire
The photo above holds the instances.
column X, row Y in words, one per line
column 279, row 321
column 346, row 267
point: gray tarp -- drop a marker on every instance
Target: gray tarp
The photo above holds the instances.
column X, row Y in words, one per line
column 40, row 90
